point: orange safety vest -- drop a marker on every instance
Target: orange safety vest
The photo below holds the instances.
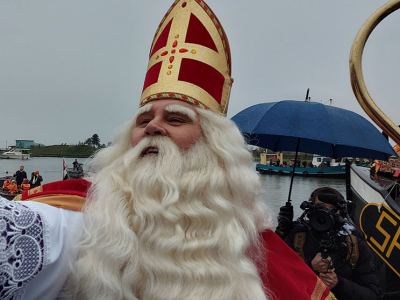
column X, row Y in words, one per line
column 6, row 184
column 26, row 186
column 12, row 188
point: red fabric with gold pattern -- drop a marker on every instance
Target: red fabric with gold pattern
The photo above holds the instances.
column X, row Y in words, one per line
column 77, row 187
column 287, row 276
column 190, row 58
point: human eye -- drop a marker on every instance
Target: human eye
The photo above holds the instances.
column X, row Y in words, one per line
column 145, row 121
column 142, row 121
column 177, row 120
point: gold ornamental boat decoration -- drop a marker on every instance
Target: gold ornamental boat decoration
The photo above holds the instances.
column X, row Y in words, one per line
column 356, row 75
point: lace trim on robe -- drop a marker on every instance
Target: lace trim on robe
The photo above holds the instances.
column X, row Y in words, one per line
column 24, row 249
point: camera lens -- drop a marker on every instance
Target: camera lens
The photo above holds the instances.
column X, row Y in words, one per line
column 321, row 220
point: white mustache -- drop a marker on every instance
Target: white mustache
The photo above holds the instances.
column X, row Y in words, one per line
column 157, row 144
column 163, row 146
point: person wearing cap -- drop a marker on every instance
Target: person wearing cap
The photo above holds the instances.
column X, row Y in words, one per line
column 36, row 179
column 172, row 209
column 344, row 262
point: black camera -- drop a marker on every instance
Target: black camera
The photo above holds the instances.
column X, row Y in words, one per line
column 321, row 218
column 332, row 244
column 327, row 223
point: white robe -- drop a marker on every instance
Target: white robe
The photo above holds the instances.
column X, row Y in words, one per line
column 37, row 244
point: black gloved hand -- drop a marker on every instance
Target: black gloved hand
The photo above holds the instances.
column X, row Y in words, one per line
column 285, row 220
column 286, row 212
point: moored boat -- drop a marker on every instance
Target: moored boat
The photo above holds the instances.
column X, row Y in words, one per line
column 15, row 153
column 320, row 166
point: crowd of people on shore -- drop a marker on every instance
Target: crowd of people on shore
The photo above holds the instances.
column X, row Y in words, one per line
column 21, row 182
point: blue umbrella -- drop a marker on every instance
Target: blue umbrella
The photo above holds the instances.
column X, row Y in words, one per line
column 312, row 127
column 322, row 129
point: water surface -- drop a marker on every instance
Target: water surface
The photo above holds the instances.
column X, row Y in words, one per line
column 275, row 187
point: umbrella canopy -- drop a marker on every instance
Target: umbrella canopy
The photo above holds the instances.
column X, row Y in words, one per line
column 319, row 129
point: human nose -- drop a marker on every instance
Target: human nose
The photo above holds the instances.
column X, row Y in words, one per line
column 154, row 127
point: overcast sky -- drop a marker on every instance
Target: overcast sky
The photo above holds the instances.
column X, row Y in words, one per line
column 72, row 68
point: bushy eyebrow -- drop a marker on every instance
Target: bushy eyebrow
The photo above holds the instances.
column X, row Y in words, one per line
column 144, row 109
column 176, row 108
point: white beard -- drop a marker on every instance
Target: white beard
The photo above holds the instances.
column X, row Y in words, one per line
column 166, row 227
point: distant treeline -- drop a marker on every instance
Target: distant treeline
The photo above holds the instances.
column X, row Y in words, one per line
column 63, row 151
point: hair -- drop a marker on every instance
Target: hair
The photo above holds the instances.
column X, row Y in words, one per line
column 180, row 225
column 324, row 190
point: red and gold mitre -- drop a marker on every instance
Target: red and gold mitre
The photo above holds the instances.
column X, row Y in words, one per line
column 190, row 59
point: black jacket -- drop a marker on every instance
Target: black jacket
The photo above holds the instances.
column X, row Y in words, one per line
column 357, row 284
column 38, row 181
column 19, row 176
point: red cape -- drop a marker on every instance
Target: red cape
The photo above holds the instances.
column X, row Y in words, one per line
column 287, row 276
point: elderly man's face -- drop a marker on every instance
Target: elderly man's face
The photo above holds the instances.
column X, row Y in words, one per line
column 174, row 119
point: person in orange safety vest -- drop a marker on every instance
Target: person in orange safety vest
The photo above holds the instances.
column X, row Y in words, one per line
column 25, row 185
column 12, row 187
column 6, row 183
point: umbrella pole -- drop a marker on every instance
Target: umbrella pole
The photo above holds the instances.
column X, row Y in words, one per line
column 294, row 167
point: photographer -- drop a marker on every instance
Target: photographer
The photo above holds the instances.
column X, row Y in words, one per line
column 331, row 245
